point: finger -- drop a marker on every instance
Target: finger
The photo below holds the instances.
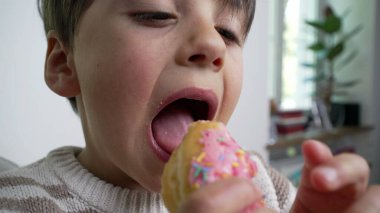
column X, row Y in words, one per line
column 230, row 195
column 265, row 211
column 369, row 203
column 315, row 153
column 343, row 170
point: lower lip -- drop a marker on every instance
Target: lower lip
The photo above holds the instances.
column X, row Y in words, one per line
column 160, row 153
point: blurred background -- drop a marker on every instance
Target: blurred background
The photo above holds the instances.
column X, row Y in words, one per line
column 311, row 71
column 33, row 120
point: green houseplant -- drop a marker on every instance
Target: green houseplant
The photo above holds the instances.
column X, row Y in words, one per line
column 331, row 55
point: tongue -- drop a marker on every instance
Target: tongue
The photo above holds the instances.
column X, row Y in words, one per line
column 170, row 125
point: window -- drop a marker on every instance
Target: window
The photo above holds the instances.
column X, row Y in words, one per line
column 290, row 78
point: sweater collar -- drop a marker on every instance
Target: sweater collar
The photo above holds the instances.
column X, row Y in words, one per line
column 97, row 192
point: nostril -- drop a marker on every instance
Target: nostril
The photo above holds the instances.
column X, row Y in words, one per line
column 218, row 62
column 197, row 58
column 203, row 60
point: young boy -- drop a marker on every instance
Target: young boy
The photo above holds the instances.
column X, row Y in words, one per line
column 138, row 72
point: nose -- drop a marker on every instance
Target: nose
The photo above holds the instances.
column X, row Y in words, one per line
column 203, row 47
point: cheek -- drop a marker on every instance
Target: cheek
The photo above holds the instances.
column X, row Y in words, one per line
column 116, row 66
column 116, row 85
column 132, row 75
column 234, row 85
column 233, row 79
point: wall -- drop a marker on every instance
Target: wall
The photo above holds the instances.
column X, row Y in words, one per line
column 34, row 121
column 376, row 99
column 364, row 67
column 250, row 122
column 361, row 68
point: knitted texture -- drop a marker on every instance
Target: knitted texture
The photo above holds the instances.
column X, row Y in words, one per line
column 279, row 192
column 284, row 189
column 59, row 183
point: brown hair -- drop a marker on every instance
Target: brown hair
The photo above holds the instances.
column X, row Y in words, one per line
column 246, row 6
column 63, row 16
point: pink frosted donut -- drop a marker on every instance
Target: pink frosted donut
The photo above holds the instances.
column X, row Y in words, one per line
column 208, row 153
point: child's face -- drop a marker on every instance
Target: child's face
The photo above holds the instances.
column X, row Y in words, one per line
column 134, row 60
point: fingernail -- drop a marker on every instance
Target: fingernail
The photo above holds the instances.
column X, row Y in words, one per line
column 330, row 174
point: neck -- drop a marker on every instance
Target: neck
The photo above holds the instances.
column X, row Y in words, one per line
column 105, row 170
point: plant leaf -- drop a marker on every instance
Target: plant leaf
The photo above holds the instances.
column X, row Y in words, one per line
column 338, row 49
column 332, row 24
column 355, row 31
column 319, row 77
column 335, row 51
column 316, row 24
column 346, row 60
column 317, row 46
column 346, row 83
column 309, row 65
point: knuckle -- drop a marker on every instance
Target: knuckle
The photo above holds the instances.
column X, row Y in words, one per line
column 348, row 160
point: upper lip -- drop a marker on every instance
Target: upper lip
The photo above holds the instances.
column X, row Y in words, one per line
column 194, row 93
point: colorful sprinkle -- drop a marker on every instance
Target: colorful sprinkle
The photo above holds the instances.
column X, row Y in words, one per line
column 197, row 172
column 221, row 157
column 240, row 152
column 201, row 157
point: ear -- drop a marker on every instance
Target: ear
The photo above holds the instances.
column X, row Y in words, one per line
column 60, row 73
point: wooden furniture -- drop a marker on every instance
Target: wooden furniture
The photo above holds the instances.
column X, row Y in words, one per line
column 321, row 135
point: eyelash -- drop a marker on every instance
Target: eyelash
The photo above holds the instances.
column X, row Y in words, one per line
column 160, row 18
column 152, row 18
column 229, row 35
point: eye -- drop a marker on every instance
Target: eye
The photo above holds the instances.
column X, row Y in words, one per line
column 228, row 35
column 154, row 18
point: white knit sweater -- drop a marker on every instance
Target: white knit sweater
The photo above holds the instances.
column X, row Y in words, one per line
column 59, row 183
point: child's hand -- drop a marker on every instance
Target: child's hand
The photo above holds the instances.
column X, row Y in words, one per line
column 369, row 202
column 330, row 183
column 230, row 195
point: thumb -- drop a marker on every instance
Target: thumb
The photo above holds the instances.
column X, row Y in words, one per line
column 265, row 210
column 315, row 153
column 228, row 195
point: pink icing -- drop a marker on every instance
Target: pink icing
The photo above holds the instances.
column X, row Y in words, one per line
column 221, row 157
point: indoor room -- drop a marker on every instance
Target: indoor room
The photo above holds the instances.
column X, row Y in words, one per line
column 311, row 71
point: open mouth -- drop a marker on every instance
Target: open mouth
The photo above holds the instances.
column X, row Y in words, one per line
column 175, row 115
